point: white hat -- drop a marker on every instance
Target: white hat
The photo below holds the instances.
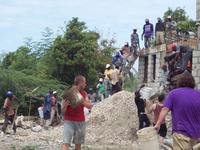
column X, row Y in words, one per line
column 107, row 66
column 101, row 80
column 169, row 17
column 54, row 92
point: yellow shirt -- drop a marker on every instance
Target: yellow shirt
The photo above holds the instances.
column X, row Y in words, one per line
column 108, row 73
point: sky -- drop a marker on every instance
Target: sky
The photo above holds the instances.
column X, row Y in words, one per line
column 20, row 19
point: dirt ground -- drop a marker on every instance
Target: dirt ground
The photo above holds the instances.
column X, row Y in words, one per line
column 112, row 125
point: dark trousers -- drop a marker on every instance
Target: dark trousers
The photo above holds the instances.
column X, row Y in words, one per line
column 9, row 120
column 147, row 42
column 143, row 121
column 116, row 88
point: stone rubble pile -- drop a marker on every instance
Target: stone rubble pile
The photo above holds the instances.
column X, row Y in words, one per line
column 113, row 121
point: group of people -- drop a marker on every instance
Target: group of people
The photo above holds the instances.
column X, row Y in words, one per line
column 47, row 110
column 168, row 27
column 179, row 60
column 110, row 83
column 184, row 104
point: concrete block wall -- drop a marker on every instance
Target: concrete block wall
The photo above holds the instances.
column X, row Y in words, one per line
column 141, row 69
column 160, row 54
column 196, row 65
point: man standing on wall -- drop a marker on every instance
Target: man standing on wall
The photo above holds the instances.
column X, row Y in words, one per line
column 159, row 31
column 147, row 33
column 74, row 118
column 135, row 43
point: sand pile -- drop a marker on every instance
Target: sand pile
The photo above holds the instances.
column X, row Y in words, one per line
column 113, row 121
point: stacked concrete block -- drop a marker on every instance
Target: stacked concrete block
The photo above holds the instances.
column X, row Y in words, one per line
column 196, row 52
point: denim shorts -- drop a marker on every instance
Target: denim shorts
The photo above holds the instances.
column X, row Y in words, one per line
column 74, row 132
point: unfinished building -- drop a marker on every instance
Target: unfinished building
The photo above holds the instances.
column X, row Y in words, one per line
column 151, row 60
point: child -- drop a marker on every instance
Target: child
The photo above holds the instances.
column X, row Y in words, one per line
column 156, row 108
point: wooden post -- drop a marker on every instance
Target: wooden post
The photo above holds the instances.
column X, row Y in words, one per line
column 29, row 112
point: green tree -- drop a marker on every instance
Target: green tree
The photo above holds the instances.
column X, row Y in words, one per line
column 21, row 60
column 184, row 24
column 179, row 14
column 187, row 25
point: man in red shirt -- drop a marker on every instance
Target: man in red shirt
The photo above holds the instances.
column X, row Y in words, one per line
column 74, row 118
column 9, row 112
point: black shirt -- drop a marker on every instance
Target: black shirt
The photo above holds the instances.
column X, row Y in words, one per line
column 140, row 103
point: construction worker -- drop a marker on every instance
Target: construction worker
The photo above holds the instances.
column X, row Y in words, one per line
column 141, row 104
column 156, row 108
column 107, row 80
column 178, row 61
column 147, row 33
column 47, row 108
column 115, row 77
column 135, row 42
column 41, row 114
column 9, row 112
column 53, row 106
column 74, row 118
column 170, row 30
column 101, row 89
column 184, row 104
column 159, row 31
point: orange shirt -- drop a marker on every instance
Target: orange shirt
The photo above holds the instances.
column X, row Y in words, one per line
column 8, row 106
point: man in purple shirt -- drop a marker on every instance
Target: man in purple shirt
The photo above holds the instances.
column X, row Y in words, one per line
column 147, row 33
column 184, row 103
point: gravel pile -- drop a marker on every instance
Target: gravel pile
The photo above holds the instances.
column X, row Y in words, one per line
column 113, row 121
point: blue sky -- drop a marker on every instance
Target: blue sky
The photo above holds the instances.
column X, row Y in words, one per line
column 112, row 18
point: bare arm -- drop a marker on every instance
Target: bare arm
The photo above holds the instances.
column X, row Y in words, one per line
column 64, row 105
column 162, row 115
column 87, row 103
column 152, row 108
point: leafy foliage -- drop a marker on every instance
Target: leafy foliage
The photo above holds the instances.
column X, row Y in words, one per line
column 53, row 62
column 21, row 84
column 179, row 14
column 184, row 24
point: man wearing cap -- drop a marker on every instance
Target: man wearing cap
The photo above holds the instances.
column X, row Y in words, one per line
column 53, row 106
column 107, row 80
column 159, row 31
column 9, row 112
column 101, row 89
column 147, row 33
column 171, row 29
column 135, row 43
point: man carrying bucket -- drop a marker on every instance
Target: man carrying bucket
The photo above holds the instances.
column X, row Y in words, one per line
column 184, row 103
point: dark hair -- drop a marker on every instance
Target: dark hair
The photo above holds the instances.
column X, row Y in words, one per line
column 50, row 91
column 161, row 97
column 185, row 80
column 78, row 79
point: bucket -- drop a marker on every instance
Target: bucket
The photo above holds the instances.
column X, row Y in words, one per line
column 148, row 139
column 146, row 93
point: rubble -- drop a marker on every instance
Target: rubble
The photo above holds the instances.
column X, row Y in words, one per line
column 112, row 124
column 113, row 121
